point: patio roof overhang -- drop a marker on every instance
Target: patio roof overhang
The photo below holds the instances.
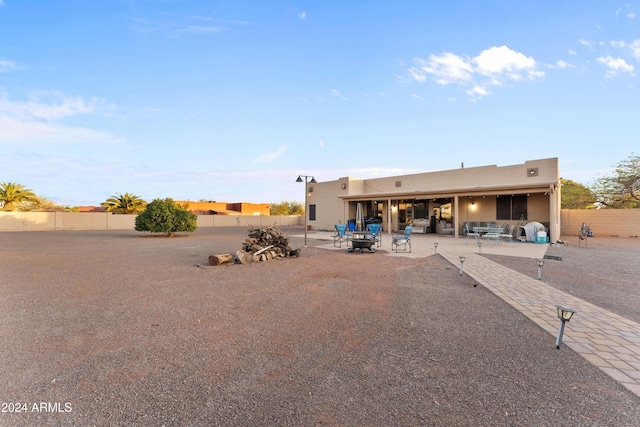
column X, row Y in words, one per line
column 451, row 192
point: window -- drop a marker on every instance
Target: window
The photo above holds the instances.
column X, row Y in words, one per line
column 312, row 212
column 519, row 207
column 503, row 208
column 511, row 207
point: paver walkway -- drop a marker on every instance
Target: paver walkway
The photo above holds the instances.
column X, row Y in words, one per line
column 609, row 341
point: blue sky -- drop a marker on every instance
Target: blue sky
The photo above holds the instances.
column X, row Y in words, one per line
column 232, row 100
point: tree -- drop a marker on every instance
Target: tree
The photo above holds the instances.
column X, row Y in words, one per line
column 165, row 216
column 42, row 204
column 576, row 196
column 622, row 190
column 13, row 195
column 286, row 208
column 124, row 203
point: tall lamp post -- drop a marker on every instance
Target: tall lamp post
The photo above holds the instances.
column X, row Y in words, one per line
column 306, row 194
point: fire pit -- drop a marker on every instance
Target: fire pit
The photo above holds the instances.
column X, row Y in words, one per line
column 362, row 244
column 362, row 240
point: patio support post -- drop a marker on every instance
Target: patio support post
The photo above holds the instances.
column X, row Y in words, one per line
column 456, row 215
column 389, row 216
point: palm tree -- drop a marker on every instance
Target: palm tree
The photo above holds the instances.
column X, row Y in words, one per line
column 124, row 203
column 12, row 195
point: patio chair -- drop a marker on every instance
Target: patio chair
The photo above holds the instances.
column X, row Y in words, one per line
column 340, row 235
column 468, row 233
column 402, row 239
column 508, row 236
column 375, row 232
column 445, row 229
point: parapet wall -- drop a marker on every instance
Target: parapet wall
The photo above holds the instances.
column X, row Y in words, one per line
column 50, row 221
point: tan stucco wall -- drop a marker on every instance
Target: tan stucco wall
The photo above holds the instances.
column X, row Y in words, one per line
column 43, row 221
column 603, row 222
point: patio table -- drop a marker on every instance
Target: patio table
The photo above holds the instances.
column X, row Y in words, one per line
column 490, row 233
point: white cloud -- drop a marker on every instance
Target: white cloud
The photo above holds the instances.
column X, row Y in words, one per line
column 502, row 60
column 336, row 94
column 12, row 129
column 175, row 26
column 202, row 29
column 444, row 69
column 495, row 66
column 633, row 46
column 416, row 96
column 6, row 65
column 584, row 42
column 631, row 15
column 615, row 65
column 49, row 106
column 478, row 91
column 34, row 120
column 321, row 144
column 635, row 49
column 302, row 15
column 563, row 65
column 267, row 157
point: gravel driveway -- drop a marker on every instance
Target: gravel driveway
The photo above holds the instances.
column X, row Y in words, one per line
column 113, row 328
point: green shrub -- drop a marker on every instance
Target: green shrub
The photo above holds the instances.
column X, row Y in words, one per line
column 165, row 216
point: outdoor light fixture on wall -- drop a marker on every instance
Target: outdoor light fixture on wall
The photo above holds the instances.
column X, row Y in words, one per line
column 306, row 195
column 564, row 314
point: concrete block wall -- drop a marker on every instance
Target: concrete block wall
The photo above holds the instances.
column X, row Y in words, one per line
column 248, row 220
column 603, row 222
column 27, row 221
column 50, row 221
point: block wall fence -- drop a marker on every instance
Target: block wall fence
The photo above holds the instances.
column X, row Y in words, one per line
column 51, row 221
column 603, row 222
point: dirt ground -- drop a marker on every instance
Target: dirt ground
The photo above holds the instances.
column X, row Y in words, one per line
column 113, row 328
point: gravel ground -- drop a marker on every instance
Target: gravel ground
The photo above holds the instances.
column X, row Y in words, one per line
column 112, row 328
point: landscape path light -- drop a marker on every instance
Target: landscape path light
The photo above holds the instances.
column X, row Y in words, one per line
column 435, row 248
column 564, row 314
column 480, row 247
column 540, row 262
column 306, row 193
column 461, row 263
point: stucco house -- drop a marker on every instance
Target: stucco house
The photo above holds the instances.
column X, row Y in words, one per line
column 503, row 194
